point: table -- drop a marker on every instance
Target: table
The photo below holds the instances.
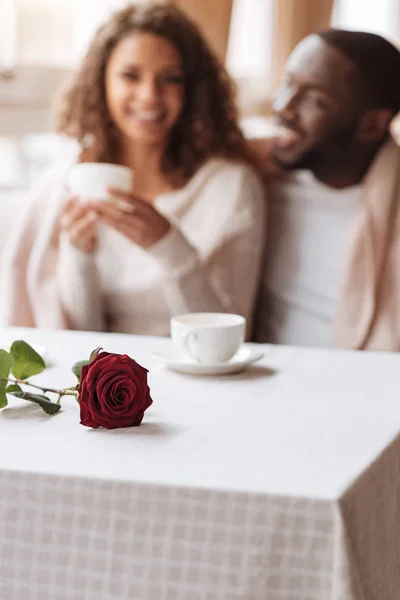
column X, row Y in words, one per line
column 281, row 483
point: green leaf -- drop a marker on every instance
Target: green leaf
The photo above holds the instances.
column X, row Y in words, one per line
column 77, row 367
column 51, row 408
column 94, row 353
column 5, row 363
column 13, row 388
column 25, row 360
column 3, row 397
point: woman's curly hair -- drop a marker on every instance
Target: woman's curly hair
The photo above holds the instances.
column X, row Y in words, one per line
column 208, row 123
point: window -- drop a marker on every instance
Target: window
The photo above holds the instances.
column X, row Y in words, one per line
column 8, row 35
column 249, row 48
column 249, row 56
column 40, row 42
column 379, row 16
column 49, row 33
column 45, row 32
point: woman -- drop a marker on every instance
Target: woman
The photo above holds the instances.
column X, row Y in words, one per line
column 149, row 95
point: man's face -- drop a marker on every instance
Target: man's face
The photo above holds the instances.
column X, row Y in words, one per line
column 316, row 108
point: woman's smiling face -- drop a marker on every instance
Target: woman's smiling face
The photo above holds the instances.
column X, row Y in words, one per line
column 145, row 92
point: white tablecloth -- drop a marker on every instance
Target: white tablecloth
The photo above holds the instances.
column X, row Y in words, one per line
column 281, row 483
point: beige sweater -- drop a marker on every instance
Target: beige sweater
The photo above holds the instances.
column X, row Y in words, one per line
column 368, row 315
column 209, row 261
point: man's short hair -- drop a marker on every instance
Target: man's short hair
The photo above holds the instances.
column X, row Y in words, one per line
column 377, row 63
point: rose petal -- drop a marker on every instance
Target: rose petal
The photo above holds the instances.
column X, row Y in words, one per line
column 108, row 392
column 86, row 417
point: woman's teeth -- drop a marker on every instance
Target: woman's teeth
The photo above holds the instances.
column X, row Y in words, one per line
column 148, row 115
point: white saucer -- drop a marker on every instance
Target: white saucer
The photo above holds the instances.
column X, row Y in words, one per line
column 173, row 360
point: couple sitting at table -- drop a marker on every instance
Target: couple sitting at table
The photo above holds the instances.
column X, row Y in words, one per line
column 150, row 95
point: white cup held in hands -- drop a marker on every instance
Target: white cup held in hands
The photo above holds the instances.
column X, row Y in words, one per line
column 90, row 181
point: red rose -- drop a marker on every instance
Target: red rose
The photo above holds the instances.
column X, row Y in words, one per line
column 113, row 392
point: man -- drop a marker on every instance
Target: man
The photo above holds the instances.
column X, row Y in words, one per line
column 332, row 262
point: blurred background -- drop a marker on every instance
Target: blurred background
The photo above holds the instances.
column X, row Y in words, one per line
column 41, row 41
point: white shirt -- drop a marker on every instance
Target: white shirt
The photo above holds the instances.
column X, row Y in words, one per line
column 308, row 235
column 209, row 261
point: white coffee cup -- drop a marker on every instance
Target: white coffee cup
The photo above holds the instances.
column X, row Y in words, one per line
column 208, row 338
column 90, row 181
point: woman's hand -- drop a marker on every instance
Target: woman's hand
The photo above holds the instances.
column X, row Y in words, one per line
column 80, row 221
column 135, row 218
